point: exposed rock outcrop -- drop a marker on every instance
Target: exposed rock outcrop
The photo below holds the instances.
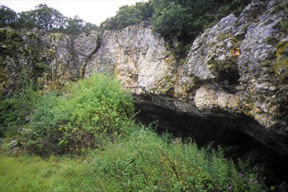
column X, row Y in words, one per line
column 138, row 57
column 235, row 71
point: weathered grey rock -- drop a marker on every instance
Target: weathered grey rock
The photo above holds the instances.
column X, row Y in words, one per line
column 210, row 50
column 211, row 57
column 138, row 57
column 85, row 44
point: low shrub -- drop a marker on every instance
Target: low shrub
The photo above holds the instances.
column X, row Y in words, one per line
column 92, row 110
column 146, row 162
column 143, row 161
column 15, row 111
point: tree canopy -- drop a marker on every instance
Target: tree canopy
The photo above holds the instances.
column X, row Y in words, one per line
column 76, row 26
column 45, row 18
column 7, row 16
column 128, row 15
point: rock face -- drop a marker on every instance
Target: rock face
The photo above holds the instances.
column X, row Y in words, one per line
column 48, row 59
column 236, row 73
column 137, row 57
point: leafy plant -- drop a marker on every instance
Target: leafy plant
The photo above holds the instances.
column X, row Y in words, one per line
column 143, row 161
column 146, row 162
column 8, row 16
column 15, row 111
column 92, row 110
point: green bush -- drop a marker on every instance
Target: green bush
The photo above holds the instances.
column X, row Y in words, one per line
column 128, row 15
column 146, row 162
column 15, row 111
column 92, row 109
column 142, row 161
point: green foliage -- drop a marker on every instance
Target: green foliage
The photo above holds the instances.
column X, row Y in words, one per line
column 8, row 17
column 15, row 111
column 76, row 25
column 94, row 109
column 157, row 165
column 141, row 162
column 33, row 174
column 187, row 19
column 128, row 15
column 43, row 17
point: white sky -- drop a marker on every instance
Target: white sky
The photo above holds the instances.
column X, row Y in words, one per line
column 93, row 11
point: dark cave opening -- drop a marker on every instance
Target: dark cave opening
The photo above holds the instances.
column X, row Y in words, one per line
column 220, row 131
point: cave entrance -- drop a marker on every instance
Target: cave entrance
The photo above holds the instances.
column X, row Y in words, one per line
column 204, row 131
column 220, row 131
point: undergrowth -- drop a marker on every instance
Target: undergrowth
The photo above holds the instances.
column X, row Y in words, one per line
column 91, row 112
column 141, row 162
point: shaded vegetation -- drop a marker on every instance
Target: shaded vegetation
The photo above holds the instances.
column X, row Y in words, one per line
column 129, row 15
column 8, row 16
column 15, row 111
column 14, row 74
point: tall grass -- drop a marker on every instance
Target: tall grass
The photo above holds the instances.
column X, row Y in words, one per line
column 146, row 162
column 33, row 174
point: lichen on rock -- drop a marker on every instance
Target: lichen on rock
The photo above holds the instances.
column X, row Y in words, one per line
column 281, row 64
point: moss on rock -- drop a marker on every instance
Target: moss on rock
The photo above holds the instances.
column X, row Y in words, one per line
column 281, row 65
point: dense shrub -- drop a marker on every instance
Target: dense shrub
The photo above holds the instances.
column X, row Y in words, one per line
column 92, row 110
column 128, row 15
column 45, row 18
column 15, row 111
column 142, row 161
column 8, row 16
column 146, row 162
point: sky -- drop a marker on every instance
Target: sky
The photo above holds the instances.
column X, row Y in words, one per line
column 93, row 11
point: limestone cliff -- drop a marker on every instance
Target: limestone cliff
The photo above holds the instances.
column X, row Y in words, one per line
column 236, row 72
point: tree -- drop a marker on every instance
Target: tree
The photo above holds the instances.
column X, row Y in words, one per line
column 76, row 26
column 129, row 15
column 43, row 17
column 8, row 17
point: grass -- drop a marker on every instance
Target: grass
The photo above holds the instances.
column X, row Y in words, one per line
column 30, row 173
